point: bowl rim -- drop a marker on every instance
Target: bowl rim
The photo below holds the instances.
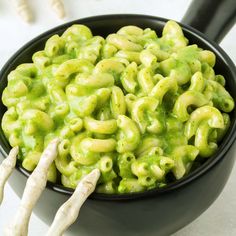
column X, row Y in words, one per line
column 194, row 175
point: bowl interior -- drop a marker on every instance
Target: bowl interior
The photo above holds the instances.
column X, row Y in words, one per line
column 104, row 25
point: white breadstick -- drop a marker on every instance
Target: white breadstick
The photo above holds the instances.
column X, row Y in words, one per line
column 6, row 168
column 58, row 7
column 69, row 211
column 23, row 10
column 34, row 187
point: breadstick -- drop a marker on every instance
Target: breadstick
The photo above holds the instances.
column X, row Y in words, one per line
column 69, row 211
column 33, row 189
column 58, row 7
column 23, row 10
column 6, row 168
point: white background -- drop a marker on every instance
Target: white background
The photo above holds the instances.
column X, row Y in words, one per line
column 220, row 218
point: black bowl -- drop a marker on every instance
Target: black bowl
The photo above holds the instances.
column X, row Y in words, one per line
column 154, row 212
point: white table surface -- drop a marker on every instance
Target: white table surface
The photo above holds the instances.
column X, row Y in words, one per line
column 220, row 218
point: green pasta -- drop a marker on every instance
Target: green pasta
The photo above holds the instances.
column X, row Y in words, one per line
column 141, row 108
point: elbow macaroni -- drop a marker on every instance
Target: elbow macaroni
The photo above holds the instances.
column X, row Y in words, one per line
column 139, row 107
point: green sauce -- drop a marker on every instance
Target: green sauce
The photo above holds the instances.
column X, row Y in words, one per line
column 138, row 107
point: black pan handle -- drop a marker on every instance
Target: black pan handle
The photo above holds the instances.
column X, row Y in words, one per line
column 214, row 18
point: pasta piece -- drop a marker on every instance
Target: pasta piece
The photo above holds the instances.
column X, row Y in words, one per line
column 10, row 121
column 103, row 96
column 140, row 107
column 66, row 69
column 220, row 97
column 205, row 147
column 130, row 185
column 186, row 99
column 208, row 57
column 77, row 32
column 129, row 77
column 129, row 55
column 160, row 55
column 183, row 157
column 145, row 80
column 52, row 173
column 102, row 127
column 76, row 124
column 69, row 211
column 105, row 165
column 151, row 169
column 109, row 187
column 122, row 43
column 172, row 31
column 164, row 86
column 147, row 143
column 124, row 162
column 129, row 134
column 221, row 132
column 33, row 189
column 86, row 151
column 31, row 160
column 62, row 162
column 207, row 71
column 78, row 154
column 95, row 81
column 6, row 169
column 98, row 145
column 108, row 50
column 220, row 79
column 118, row 105
column 54, row 46
column 130, row 30
column 83, row 105
column 111, row 66
column 207, row 113
column 130, row 100
column 177, row 69
column 197, row 82
column 147, row 58
column 41, row 119
column 41, row 60
column 71, row 181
